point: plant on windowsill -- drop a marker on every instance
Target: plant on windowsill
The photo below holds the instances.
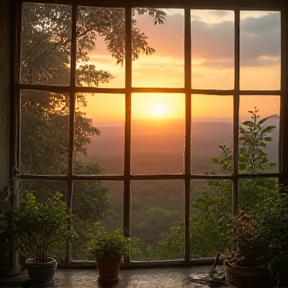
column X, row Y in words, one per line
column 109, row 248
column 260, row 254
column 35, row 227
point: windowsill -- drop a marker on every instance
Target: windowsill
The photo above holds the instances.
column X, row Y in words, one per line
column 140, row 278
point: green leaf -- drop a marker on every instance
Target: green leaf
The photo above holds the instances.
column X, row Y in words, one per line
column 267, row 130
column 266, row 118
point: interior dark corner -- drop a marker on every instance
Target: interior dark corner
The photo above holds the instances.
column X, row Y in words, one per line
column 165, row 120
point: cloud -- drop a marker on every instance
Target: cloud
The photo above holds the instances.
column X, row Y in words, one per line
column 260, row 40
column 212, row 47
column 213, row 41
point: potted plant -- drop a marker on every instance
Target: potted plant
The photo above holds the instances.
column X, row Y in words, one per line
column 109, row 248
column 259, row 257
column 35, row 227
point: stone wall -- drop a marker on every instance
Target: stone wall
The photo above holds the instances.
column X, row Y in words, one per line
column 9, row 260
column 5, row 94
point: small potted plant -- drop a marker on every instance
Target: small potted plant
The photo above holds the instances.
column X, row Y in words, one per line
column 109, row 248
column 35, row 227
column 259, row 257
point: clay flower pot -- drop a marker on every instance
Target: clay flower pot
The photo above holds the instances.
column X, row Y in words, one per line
column 108, row 270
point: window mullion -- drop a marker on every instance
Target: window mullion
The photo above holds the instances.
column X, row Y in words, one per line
column 127, row 152
column 283, row 153
column 236, row 105
column 187, row 67
column 71, row 118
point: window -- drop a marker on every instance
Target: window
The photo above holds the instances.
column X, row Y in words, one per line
column 161, row 119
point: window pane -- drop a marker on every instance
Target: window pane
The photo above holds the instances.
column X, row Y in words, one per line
column 94, row 201
column 210, row 213
column 260, row 50
column 212, row 134
column 259, row 138
column 165, row 66
column 44, row 132
column 46, row 42
column 99, row 133
column 157, row 133
column 212, row 34
column 252, row 191
column 100, row 47
column 157, row 215
column 44, row 189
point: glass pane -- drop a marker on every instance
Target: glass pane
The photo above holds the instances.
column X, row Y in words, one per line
column 212, row 134
column 259, row 138
column 157, row 133
column 46, row 44
column 43, row 189
column 252, row 191
column 100, row 47
column 99, row 133
column 158, row 50
column 94, row 201
column 210, row 213
column 260, row 47
column 44, row 132
column 157, row 218
column 212, row 34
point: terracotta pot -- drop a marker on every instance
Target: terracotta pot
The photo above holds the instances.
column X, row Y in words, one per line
column 246, row 277
column 41, row 274
column 108, row 270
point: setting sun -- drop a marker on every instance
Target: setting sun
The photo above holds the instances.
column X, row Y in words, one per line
column 158, row 110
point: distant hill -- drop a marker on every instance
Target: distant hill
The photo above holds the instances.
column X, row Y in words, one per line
column 158, row 146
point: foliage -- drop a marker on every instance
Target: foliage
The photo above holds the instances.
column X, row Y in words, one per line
column 6, row 233
column 45, row 116
column 35, row 226
column 210, row 232
column 48, row 27
column 261, row 236
column 253, row 137
column 210, row 220
column 108, row 245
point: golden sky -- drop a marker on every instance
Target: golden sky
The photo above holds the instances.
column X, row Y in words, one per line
column 212, row 66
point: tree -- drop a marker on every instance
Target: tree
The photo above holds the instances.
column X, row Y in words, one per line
column 46, row 52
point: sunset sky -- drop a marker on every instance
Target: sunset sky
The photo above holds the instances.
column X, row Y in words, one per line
column 212, row 66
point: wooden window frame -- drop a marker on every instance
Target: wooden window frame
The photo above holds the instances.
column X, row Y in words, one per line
column 186, row 176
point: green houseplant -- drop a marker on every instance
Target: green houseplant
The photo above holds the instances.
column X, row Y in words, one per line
column 259, row 257
column 109, row 248
column 35, row 227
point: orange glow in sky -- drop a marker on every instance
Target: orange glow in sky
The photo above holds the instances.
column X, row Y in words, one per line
column 212, row 66
column 158, row 110
column 158, row 105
